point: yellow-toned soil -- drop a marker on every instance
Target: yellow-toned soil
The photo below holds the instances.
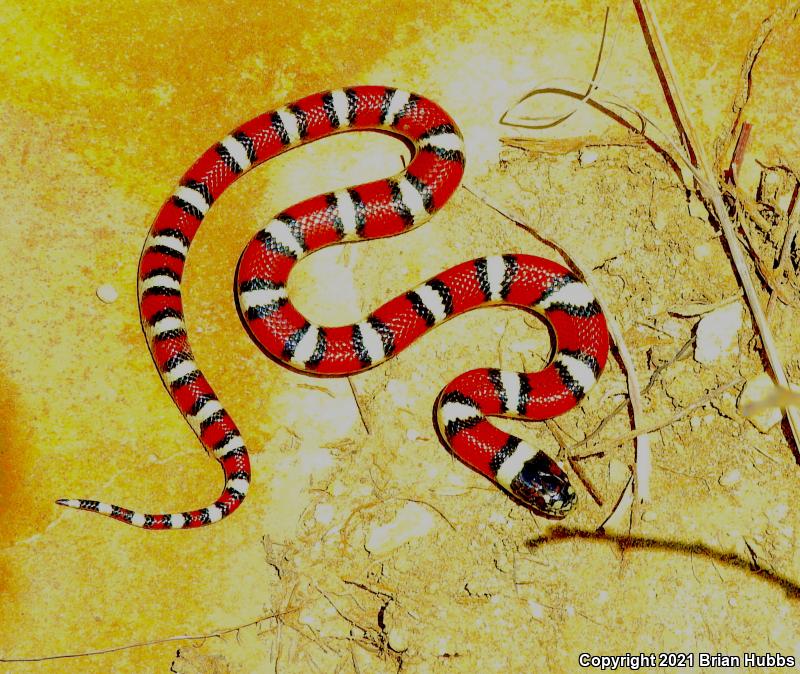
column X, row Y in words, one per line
column 107, row 104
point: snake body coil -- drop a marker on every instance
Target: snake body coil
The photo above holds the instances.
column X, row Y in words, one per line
column 378, row 209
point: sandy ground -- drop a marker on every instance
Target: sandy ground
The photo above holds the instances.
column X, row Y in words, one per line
column 363, row 547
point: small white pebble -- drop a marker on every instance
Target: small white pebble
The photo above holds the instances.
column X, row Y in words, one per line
column 777, row 513
column 717, row 332
column 602, row 596
column 730, row 478
column 107, row 293
column 399, row 392
column 756, row 389
column 456, row 479
column 308, row 618
column 323, row 513
column 587, row 157
column 412, row 434
column 695, row 422
column 784, row 201
column 697, row 208
column 672, row 327
column 732, row 601
column 649, row 516
column 525, row 345
column 701, row 251
column 660, row 220
column 411, row 521
column 536, row 609
column 398, row 640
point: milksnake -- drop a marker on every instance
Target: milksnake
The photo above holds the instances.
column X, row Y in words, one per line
column 378, row 209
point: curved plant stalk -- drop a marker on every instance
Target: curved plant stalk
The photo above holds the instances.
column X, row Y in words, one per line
column 706, row 185
column 710, row 189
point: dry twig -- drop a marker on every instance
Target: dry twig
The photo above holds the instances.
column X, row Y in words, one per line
column 710, row 189
column 155, row 642
column 658, row 425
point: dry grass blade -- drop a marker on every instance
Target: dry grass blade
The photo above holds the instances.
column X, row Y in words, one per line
column 643, row 459
column 548, row 121
column 643, row 456
column 155, row 642
column 710, row 189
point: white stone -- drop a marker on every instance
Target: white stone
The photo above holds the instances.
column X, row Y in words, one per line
column 323, row 513
column 587, row 157
column 526, row 346
column 755, row 390
column 398, row 639
column 411, row 521
column 536, row 609
column 399, row 392
column 660, row 221
column 107, row 293
column 730, row 478
column 717, row 332
column 701, row 251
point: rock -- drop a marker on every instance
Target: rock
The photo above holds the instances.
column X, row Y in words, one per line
column 587, row 157
column 398, row 640
column 536, row 609
column 400, row 393
column 107, row 293
column 755, row 390
column 730, row 478
column 660, row 220
column 701, row 251
column 697, row 209
column 411, row 521
column 323, row 513
column 716, row 333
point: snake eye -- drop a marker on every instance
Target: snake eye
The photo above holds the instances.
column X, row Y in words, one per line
column 543, row 486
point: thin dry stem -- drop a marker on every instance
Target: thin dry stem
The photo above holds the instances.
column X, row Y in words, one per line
column 793, row 218
column 681, row 353
column 643, row 455
column 658, row 425
column 155, row 642
column 710, row 188
column 358, row 405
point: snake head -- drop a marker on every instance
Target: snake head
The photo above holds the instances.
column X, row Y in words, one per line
column 544, row 487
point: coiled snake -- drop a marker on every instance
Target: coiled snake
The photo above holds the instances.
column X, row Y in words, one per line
column 378, row 209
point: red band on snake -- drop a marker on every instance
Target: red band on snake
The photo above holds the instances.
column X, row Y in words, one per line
column 378, row 209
